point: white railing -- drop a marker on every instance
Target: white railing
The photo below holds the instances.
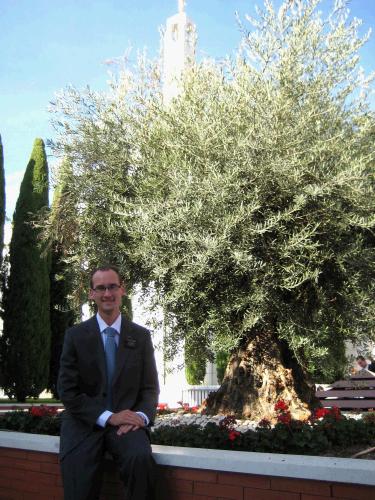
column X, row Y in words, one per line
column 194, row 395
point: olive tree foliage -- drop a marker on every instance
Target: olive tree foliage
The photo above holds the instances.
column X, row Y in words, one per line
column 95, row 140
column 257, row 206
column 247, row 204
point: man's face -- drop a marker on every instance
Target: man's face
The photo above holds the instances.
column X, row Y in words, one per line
column 362, row 363
column 108, row 301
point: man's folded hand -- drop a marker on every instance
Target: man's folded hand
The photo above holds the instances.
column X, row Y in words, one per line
column 126, row 420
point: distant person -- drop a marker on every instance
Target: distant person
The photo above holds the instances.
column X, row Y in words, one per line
column 366, row 365
column 109, row 386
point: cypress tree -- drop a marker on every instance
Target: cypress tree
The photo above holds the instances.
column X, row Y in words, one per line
column 25, row 344
column 61, row 313
column 195, row 362
column 2, row 201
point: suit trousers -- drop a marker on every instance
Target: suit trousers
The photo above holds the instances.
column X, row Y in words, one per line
column 81, row 468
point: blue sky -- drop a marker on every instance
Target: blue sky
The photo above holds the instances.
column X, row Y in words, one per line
column 48, row 44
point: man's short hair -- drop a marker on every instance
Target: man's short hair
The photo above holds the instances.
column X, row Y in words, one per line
column 361, row 358
column 108, row 267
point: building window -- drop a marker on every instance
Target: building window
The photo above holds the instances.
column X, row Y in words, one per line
column 175, row 32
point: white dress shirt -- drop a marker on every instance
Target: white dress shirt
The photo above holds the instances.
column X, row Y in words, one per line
column 116, row 325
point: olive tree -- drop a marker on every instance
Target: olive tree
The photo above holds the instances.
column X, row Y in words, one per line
column 246, row 204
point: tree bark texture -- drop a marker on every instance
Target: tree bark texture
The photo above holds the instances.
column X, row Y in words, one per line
column 257, row 376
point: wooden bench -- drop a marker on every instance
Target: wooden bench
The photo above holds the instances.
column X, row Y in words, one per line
column 356, row 393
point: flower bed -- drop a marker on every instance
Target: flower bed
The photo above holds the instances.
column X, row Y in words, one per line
column 327, row 431
column 41, row 419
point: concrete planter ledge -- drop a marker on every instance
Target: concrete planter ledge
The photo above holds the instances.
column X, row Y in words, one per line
column 341, row 470
column 30, row 442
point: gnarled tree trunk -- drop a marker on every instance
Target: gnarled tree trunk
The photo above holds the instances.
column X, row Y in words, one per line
column 258, row 375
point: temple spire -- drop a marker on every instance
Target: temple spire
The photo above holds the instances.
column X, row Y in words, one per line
column 181, row 5
column 179, row 41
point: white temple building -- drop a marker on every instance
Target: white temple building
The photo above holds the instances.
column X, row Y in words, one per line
column 178, row 46
column 178, row 50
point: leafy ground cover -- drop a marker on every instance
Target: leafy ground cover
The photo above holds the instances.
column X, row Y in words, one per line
column 37, row 420
column 326, row 432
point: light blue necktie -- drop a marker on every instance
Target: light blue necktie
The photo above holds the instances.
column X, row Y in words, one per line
column 110, row 357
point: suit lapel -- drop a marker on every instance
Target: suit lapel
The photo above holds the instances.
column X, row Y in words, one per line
column 95, row 344
column 123, row 353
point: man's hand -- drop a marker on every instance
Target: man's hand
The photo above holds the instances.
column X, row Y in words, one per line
column 123, row 429
column 126, row 420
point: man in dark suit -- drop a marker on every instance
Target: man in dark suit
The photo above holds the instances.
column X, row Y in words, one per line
column 364, row 364
column 109, row 386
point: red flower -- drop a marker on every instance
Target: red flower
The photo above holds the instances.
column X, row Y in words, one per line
column 43, row 411
column 227, row 422
column 336, row 413
column 162, row 406
column 194, row 409
column 321, row 412
column 281, row 405
column 233, row 435
column 285, row 418
column 264, row 423
column 52, row 410
column 36, row 411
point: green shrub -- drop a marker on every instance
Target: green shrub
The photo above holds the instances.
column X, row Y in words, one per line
column 327, row 431
column 38, row 420
column 369, row 417
column 301, row 438
column 222, row 358
column 195, row 372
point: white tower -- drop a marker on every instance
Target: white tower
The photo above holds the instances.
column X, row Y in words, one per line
column 178, row 52
column 179, row 43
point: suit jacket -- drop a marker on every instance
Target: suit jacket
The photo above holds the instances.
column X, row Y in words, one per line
column 82, row 378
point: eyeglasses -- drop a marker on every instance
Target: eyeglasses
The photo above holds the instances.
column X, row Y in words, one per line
column 113, row 287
